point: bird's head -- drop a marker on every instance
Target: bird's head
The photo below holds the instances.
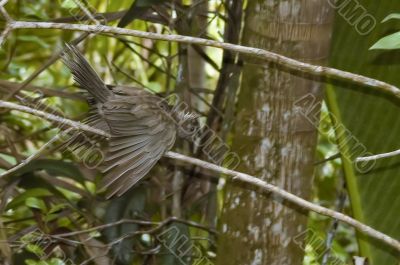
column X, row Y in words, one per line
column 187, row 124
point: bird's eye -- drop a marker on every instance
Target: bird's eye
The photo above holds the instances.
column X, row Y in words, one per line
column 193, row 128
column 164, row 106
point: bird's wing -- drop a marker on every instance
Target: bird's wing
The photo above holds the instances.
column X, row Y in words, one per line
column 141, row 134
column 85, row 75
column 79, row 142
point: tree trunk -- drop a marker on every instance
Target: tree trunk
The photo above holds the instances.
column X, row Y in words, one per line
column 272, row 138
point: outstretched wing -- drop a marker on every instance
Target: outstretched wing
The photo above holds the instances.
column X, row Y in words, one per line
column 141, row 134
column 87, row 78
column 85, row 75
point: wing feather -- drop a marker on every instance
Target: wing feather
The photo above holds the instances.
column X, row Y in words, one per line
column 119, row 158
column 134, row 174
column 141, row 131
column 141, row 134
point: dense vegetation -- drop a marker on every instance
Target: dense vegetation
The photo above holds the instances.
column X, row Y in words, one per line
column 52, row 211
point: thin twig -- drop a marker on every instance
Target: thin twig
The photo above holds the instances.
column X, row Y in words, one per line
column 3, row 11
column 6, row 86
column 7, row 30
column 158, row 227
column 378, row 156
column 51, row 117
column 107, row 17
column 256, row 182
column 138, row 222
column 33, row 156
column 146, row 60
column 235, row 175
column 341, row 200
column 46, row 65
column 4, row 34
column 88, row 14
column 57, row 54
column 265, row 55
column 330, row 158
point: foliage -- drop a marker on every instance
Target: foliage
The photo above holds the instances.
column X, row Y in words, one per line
column 57, row 194
column 369, row 116
column 51, row 209
column 390, row 42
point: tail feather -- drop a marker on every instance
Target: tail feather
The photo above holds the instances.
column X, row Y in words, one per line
column 84, row 74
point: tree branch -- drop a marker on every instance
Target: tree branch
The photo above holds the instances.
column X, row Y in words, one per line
column 54, row 118
column 139, row 222
column 255, row 182
column 378, row 156
column 7, row 86
column 7, row 30
column 235, row 175
column 46, row 65
column 267, row 56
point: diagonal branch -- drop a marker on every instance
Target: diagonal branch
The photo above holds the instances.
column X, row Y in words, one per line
column 32, row 157
column 4, row 12
column 46, row 65
column 54, row 118
column 378, row 156
column 139, row 222
column 255, row 182
column 9, row 86
column 264, row 55
column 7, row 30
column 235, row 175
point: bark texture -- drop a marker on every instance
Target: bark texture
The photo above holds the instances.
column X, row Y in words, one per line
column 273, row 139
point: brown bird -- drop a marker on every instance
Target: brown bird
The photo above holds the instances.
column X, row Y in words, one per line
column 142, row 125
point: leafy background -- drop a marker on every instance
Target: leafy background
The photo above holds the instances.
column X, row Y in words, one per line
column 372, row 119
column 58, row 194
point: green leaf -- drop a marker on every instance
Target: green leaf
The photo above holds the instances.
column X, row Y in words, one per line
column 391, row 16
column 54, row 168
column 36, row 203
column 68, row 4
column 370, row 118
column 34, row 39
column 30, row 193
column 154, row 87
column 35, row 249
column 57, row 207
column 63, row 222
column 55, row 261
column 390, row 42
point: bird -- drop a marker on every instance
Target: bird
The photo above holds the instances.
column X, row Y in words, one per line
column 142, row 125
